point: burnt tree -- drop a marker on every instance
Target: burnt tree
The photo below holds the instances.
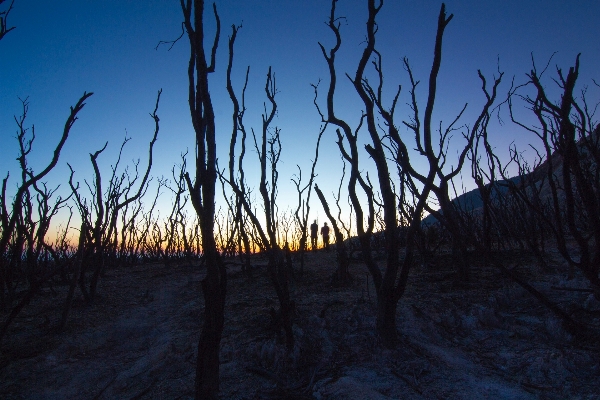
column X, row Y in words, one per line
column 386, row 143
column 4, row 29
column 268, row 149
column 202, row 195
column 13, row 218
column 570, row 137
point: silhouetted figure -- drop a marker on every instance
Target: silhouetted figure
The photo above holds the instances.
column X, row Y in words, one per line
column 325, row 233
column 314, row 232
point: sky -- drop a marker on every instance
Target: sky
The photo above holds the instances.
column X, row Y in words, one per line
column 61, row 49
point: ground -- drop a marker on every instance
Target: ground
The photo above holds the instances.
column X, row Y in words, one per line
column 489, row 339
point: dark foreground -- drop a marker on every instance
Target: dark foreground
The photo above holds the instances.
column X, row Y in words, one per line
column 490, row 339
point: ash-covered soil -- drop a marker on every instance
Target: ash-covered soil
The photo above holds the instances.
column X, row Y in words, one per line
column 488, row 339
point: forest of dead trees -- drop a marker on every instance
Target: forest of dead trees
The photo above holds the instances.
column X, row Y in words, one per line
column 553, row 202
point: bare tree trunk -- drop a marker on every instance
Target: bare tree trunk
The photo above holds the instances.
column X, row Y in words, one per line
column 202, row 195
column 74, row 279
column 214, row 287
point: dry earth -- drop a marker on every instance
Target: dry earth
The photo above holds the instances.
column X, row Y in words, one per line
column 491, row 339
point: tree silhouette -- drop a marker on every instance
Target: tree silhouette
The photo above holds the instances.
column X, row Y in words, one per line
column 391, row 282
column 202, row 195
column 4, row 29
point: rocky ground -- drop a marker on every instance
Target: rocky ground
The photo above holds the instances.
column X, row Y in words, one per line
column 490, row 339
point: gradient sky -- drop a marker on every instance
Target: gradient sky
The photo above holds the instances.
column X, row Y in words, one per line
column 61, row 49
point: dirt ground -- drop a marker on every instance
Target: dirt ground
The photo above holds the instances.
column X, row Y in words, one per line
column 490, row 339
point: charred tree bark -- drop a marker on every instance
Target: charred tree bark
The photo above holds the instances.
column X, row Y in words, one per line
column 202, row 195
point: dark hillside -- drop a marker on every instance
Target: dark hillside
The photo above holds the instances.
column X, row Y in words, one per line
column 471, row 201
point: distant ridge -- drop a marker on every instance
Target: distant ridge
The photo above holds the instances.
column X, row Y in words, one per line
column 471, row 201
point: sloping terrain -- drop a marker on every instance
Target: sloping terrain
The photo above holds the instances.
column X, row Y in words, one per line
column 538, row 177
column 490, row 339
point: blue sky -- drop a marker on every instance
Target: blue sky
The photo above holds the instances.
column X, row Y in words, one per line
column 61, row 49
